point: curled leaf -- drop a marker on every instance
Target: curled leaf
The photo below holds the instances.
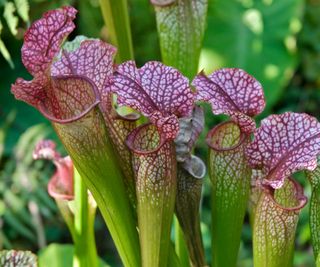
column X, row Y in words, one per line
column 157, row 91
column 41, row 44
column 71, row 101
column 194, row 166
column 43, row 39
column 285, row 144
column 232, row 92
column 189, row 131
column 93, row 60
column 69, row 98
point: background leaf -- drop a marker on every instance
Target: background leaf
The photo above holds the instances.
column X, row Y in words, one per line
column 4, row 51
column 23, row 9
column 11, row 19
column 257, row 36
column 62, row 255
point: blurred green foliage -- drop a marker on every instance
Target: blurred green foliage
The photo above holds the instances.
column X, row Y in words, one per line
column 258, row 36
column 61, row 253
column 26, row 210
column 277, row 41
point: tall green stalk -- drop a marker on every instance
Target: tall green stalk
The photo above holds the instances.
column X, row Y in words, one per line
column 180, row 245
column 230, row 178
column 85, row 253
column 314, row 217
column 116, row 17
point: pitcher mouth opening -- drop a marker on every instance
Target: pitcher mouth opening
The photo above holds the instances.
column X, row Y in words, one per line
column 299, row 198
column 145, row 139
column 226, row 136
column 72, row 97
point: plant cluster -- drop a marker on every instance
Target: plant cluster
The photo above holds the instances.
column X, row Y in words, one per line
column 130, row 134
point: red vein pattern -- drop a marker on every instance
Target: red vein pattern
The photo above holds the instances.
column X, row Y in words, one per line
column 67, row 88
column 157, row 91
column 68, row 98
column 41, row 44
column 93, row 60
column 60, row 185
column 275, row 223
column 156, row 173
column 72, row 80
column 230, row 176
column 43, row 39
column 232, row 92
column 285, row 144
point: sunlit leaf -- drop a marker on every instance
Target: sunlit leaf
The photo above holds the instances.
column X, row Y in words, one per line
column 11, row 19
column 4, row 51
column 23, row 9
column 257, row 36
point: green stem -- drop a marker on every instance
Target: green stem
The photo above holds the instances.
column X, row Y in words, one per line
column 173, row 259
column 116, row 17
column 85, row 253
column 314, row 217
column 181, row 247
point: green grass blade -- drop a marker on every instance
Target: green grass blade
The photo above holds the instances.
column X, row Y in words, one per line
column 116, row 17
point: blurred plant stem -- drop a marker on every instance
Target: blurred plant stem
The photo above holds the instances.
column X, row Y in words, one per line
column 85, row 253
column 116, row 17
column 180, row 244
